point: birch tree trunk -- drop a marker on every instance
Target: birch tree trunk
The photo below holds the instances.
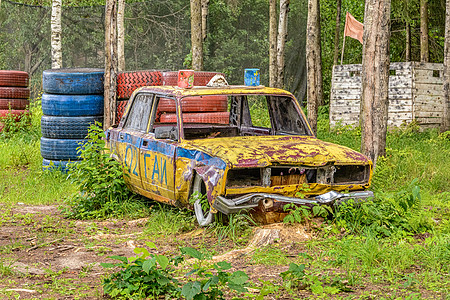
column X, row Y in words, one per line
column 337, row 32
column 424, row 49
column 121, row 35
column 56, row 34
column 446, row 111
column 408, row 42
column 196, row 35
column 273, row 43
column 313, row 63
column 375, row 78
column 281, row 43
column 109, row 116
column 205, row 11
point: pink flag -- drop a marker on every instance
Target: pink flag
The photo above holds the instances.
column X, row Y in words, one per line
column 353, row 28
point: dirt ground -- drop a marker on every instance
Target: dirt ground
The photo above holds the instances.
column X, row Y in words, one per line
column 45, row 256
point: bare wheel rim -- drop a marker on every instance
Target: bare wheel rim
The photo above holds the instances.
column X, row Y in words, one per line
column 202, row 219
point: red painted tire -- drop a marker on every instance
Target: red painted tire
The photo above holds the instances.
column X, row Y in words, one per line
column 13, row 78
column 121, row 106
column 16, row 113
column 127, row 82
column 14, row 103
column 200, row 78
column 210, row 118
column 14, row 93
column 195, row 104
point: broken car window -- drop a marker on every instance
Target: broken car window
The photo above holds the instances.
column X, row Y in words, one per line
column 139, row 114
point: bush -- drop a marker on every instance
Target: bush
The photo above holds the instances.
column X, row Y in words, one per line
column 386, row 214
column 102, row 190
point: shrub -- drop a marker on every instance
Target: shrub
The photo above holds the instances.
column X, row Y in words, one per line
column 102, row 190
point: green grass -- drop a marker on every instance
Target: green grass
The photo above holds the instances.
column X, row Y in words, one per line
column 21, row 176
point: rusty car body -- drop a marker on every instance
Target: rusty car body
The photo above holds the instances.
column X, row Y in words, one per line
column 263, row 157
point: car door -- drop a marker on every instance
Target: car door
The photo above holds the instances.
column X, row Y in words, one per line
column 130, row 139
column 158, row 152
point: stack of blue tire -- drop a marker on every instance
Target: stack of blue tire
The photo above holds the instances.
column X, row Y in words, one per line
column 72, row 101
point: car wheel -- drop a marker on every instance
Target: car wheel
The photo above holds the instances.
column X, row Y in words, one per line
column 81, row 81
column 204, row 218
column 13, row 78
column 72, row 105
column 57, row 127
column 127, row 82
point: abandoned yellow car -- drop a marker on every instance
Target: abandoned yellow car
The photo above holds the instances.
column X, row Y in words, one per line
column 245, row 148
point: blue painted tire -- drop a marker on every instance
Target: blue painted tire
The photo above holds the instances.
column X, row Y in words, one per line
column 72, row 105
column 73, row 81
column 60, row 149
column 56, row 127
column 56, row 165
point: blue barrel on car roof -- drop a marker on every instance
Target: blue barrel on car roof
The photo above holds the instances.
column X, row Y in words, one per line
column 251, row 77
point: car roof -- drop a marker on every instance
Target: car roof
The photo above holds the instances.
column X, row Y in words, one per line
column 178, row 92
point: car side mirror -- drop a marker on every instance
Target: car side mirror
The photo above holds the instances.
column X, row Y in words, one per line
column 166, row 132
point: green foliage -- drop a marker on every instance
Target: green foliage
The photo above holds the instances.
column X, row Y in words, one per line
column 142, row 276
column 385, row 215
column 151, row 275
column 102, row 189
column 207, row 281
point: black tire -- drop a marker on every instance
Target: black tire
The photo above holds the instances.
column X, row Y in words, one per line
column 73, row 81
column 56, row 127
column 72, row 105
column 59, row 149
column 56, row 165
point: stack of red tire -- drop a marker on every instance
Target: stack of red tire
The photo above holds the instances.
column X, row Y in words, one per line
column 127, row 82
column 14, row 94
column 204, row 109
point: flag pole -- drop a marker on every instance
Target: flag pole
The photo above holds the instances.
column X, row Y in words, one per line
column 343, row 43
column 343, row 47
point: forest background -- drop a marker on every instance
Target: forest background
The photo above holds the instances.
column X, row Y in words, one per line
column 157, row 36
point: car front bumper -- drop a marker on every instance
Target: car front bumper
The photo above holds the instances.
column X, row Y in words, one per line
column 249, row 201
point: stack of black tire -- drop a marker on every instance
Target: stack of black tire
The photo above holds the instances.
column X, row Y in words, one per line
column 14, row 94
column 72, row 101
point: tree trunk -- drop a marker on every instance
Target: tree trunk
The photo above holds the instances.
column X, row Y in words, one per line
column 281, row 43
column 424, row 49
column 205, row 12
column 109, row 116
column 375, row 78
column 313, row 63
column 196, row 35
column 273, row 43
column 446, row 111
column 408, row 42
column 56, row 35
column 121, row 35
column 337, row 32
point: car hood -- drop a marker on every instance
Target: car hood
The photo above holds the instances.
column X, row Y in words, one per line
column 262, row 151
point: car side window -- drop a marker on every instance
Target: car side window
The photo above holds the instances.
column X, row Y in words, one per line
column 139, row 114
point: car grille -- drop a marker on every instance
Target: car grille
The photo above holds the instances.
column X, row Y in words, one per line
column 290, row 175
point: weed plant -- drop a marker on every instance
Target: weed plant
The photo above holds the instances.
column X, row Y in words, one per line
column 100, row 180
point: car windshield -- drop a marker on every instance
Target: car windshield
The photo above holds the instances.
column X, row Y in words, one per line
column 241, row 115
